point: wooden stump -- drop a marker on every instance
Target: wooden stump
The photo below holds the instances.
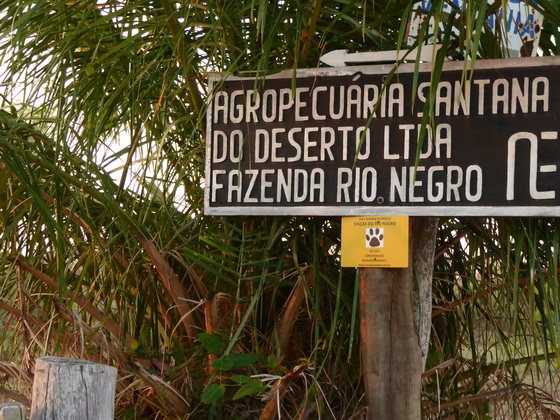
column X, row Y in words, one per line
column 66, row 389
column 12, row 411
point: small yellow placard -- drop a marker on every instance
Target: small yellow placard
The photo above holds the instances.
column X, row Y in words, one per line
column 375, row 241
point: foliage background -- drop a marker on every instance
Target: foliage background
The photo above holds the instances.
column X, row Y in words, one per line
column 105, row 253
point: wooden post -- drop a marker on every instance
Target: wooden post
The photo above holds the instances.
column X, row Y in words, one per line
column 390, row 350
column 66, row 389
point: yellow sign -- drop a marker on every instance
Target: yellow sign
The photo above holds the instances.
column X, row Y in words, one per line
column 375, row 241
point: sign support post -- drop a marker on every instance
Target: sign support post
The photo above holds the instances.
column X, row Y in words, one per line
column 395, row 313
column 391, row 280
column 390, row 351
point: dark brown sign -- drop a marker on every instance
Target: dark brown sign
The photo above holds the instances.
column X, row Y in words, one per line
column 346, row 141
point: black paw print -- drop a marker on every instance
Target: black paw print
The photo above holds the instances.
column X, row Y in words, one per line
column 374, row 237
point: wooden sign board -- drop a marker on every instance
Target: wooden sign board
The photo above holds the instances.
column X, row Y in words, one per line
column 345, row 141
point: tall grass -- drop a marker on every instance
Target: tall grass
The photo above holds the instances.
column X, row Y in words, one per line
column 105, row 252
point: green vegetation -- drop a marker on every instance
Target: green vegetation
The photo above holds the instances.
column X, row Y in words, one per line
column 106, row 255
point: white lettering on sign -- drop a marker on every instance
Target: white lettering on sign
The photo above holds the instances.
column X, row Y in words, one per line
column 353, row 101
column 355, row 186
column 449, row 184
column 361, row 140
column 276, row 186
column 523, row 95
column 341, row 143
column 442, row 141
column 533, row 163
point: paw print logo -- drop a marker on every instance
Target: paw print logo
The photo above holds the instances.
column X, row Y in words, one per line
column 374, row 238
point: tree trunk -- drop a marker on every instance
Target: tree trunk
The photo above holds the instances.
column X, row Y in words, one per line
column 390, row 351
column 65, row 389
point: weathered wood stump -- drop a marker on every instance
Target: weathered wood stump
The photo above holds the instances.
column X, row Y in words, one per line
column 66, row 389
column 12, row 411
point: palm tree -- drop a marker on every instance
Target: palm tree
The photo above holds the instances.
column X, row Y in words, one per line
column 106, row 254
